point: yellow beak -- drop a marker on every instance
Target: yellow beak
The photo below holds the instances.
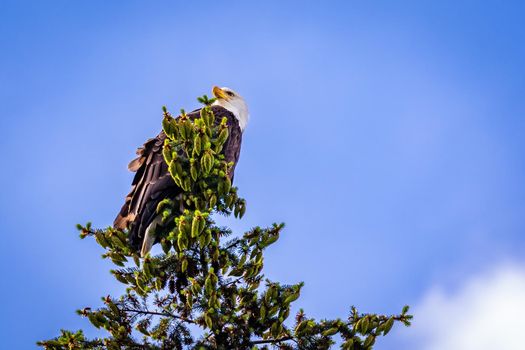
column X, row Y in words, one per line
column 219, row 93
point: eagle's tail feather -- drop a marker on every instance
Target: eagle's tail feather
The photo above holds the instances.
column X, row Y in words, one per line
column 150, row 236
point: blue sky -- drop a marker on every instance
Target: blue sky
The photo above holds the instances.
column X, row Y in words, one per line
column 388, row 136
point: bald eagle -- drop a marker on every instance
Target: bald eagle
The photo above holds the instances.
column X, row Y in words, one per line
column 153, row 183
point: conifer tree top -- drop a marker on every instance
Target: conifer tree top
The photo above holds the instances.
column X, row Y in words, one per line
column 206, row 276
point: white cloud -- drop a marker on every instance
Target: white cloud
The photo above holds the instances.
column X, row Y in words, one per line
column 487, row 312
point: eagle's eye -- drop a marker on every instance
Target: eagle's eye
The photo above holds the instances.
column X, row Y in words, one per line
column 230, row 93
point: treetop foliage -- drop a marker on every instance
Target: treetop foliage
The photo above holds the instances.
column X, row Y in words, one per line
column 206, row 290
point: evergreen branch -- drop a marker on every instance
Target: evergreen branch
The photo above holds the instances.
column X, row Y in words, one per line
column 165, row 314
column 271, row 341
column 232, row 282
column 233, row 244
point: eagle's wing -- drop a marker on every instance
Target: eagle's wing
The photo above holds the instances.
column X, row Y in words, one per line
column 152, row 182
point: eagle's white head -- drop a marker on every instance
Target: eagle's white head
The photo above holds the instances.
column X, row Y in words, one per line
column 233, row 102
